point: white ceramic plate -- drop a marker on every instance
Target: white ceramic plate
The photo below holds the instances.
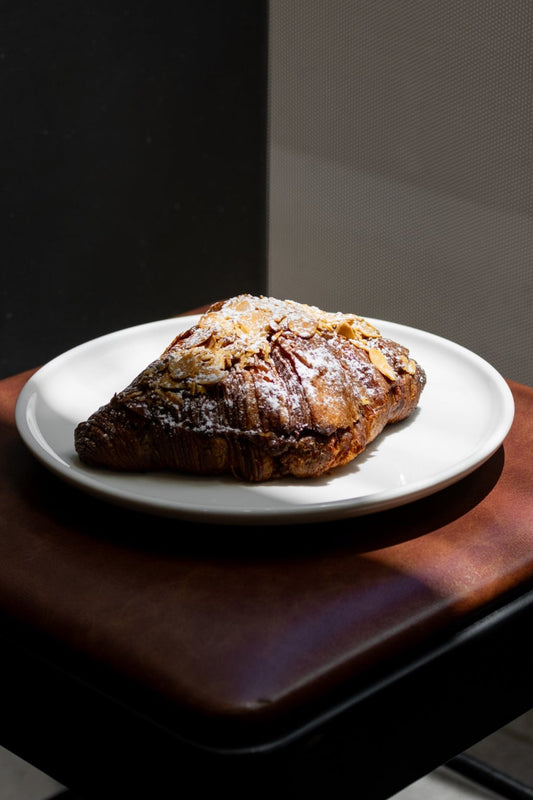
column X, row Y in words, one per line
column 464, row 415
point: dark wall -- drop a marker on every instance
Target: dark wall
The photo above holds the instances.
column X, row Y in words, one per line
column 133, row 165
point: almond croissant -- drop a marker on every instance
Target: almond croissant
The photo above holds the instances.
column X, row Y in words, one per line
column 259, row 388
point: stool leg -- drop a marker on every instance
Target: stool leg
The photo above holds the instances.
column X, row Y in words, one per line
column 485, row 775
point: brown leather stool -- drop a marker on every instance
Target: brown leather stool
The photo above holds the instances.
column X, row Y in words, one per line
column 141, row 653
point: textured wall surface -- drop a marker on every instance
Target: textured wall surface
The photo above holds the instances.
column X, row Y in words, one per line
column 132, row 145
column 401, row 166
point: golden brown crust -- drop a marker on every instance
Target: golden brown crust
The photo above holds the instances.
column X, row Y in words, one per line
column 259, row 388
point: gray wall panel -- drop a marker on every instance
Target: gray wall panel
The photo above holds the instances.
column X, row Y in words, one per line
column 401, row 166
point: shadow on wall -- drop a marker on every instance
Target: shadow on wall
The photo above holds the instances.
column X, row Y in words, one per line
column 133, row 140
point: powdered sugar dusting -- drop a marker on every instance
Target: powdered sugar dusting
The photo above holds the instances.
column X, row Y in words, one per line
column 270, row 364
column 259, row 387
column 244, row 329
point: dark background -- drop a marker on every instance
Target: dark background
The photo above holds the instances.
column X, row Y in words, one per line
column 133, row 152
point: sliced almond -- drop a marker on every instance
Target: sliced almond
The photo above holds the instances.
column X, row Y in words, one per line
column 379, row 361
column 364, row 327
column 202, row 365
column 302, row 326
column 345, row 330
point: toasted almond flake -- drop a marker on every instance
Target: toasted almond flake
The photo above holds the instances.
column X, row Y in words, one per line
column 379, row 361
column 346, row 330
column 302, row 326
column 203, row 366
column 361, row 343
column 366, row 328
column 249, row 327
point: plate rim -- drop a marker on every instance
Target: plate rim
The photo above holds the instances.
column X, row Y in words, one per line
column 94, row 482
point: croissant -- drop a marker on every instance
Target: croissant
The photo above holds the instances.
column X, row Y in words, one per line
column 259, row 388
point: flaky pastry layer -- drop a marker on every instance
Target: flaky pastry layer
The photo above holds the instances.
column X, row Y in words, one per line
column 259, row 388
